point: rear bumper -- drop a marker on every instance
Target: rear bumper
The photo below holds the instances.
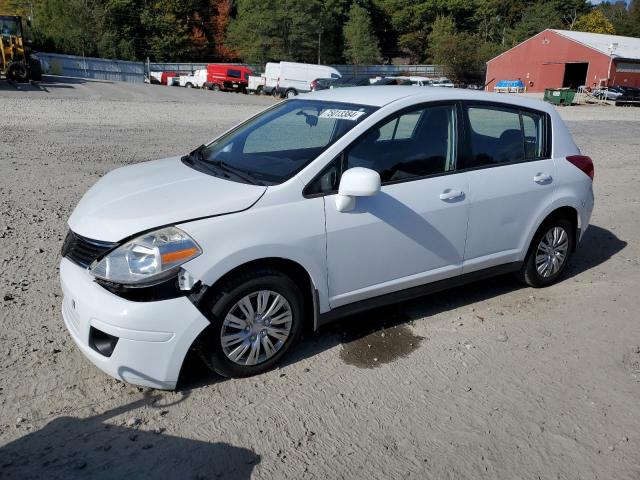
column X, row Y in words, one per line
column 152, row 337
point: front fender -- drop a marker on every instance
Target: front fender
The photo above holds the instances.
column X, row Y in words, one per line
column 293, row 231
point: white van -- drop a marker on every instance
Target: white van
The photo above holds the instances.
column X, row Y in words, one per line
column 296, row 78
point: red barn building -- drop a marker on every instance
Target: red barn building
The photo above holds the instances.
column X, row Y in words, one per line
column 563, row 58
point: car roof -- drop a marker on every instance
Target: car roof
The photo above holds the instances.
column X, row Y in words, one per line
column 381, row 95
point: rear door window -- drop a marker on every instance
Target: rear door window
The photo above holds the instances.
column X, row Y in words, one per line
column 499, row 135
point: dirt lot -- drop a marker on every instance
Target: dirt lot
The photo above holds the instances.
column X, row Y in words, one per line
column 487, row 381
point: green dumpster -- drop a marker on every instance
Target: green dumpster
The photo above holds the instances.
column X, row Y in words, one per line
column 559, row 96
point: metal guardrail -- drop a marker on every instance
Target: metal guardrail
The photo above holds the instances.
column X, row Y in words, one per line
column 89, row 67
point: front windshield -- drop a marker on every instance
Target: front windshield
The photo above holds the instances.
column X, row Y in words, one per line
column 275, row 145
column 9, row 26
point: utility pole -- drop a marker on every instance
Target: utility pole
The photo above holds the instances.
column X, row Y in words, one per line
column 319, row 42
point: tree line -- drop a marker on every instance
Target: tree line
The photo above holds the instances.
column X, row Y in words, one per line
column 460, row 34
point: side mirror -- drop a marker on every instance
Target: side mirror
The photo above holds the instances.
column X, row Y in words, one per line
column 356, row 182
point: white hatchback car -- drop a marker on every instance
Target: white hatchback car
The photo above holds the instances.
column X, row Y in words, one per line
column 320, row 206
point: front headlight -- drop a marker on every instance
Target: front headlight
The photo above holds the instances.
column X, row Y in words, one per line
column 148, row 259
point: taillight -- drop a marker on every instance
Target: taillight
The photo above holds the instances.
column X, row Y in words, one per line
column 314, row 84
column 584, row 163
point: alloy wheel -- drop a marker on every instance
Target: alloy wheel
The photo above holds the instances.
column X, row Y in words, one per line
column 551, row 253
column 256, row 327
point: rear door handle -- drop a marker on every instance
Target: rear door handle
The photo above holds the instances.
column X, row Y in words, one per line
column 542, row 178
column 450, row 194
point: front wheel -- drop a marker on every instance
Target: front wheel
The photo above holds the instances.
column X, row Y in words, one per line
column 255, row 319
column 291, row 93
column 549, row 253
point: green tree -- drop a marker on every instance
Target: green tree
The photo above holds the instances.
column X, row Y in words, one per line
column 68, row 26
column 169, row 25
column 122, row 34
column 275, row 30
column 360, row 40
column 463, row 54
column 535, row 18
column 594, row 22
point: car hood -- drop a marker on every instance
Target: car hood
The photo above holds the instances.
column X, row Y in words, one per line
column 153, row 194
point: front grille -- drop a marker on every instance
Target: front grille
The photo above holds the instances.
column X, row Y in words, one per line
column 83, row 251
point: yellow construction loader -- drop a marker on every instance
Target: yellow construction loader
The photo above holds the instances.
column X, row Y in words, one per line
column 16, row 60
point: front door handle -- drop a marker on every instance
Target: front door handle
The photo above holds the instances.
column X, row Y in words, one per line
column 542, row 178
column 450, row 194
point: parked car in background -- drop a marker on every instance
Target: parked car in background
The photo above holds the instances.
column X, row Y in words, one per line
column 420, row 81
column 295, row 78
column 392, row 81
column 321, row 84
column 316, row 208
column 227, row 77
column 610, row 93
column 630, row 98
column 329, row 83
column 442, row 82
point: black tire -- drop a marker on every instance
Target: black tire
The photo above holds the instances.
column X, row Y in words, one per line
column 529, row 273
column 259, row 90
column 221, row 302
column 290, row 93
column 35, row 70
column 189, row 85
column 215, row 87
column 18, row 72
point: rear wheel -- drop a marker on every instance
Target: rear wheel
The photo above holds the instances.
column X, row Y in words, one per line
column 549, row 253
column 256, row 318
column 215, row 87
column 291, row 93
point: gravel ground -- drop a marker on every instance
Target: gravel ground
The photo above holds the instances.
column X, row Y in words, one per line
column 491, row 380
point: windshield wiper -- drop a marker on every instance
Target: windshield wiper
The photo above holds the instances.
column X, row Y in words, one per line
column 246, row 176
column 220, row 165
